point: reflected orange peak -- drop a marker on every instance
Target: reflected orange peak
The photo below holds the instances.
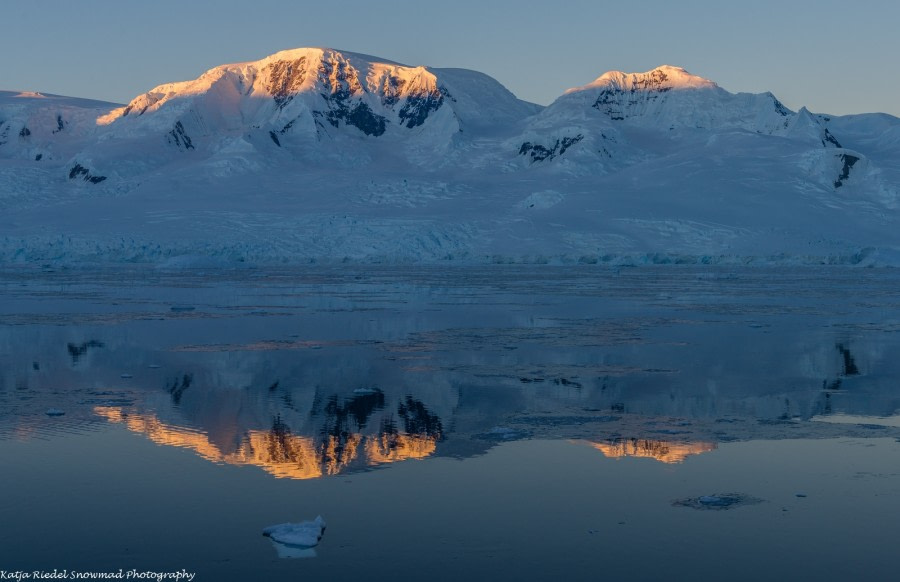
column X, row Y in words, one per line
column 663, row 451
column 163, row 434
column 390, row 448
column 280, row 454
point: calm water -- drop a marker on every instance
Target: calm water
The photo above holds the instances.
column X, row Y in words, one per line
column 499, row 423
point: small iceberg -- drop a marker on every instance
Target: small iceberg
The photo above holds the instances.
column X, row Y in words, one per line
column 126, row 376
column 55, row 412
column 717, row 501
column 365, row 391
column 305, row 534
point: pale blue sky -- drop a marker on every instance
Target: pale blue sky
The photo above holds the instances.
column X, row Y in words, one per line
column 831, row 55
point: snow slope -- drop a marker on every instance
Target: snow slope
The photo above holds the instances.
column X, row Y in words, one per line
column 321, row 155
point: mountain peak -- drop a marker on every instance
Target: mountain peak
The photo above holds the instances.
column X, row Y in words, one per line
column 662, row 78
column 350, row 85
column 327, row 52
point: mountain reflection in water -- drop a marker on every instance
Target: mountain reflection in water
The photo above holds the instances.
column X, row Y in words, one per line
column 576, row 404
column 664, row 451
column 281, row 453
column 311, row 373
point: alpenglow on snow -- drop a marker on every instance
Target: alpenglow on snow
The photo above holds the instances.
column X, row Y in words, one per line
column 315, row 154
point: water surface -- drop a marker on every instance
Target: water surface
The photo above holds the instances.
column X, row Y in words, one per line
column 505, row 422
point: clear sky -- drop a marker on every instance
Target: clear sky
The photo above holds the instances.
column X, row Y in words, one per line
column 833, row 56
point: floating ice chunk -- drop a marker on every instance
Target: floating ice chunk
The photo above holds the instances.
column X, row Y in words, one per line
column 305, row 534
column 125, row 376
column 153, row 366
column 183, row 308
column 717, row 501
column 55, row 412
column 365, row 391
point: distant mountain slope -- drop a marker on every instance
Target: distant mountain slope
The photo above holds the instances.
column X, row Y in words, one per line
column 317, row 154
column 605, row 119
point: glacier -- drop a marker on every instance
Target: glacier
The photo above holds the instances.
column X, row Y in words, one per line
column 316, row 155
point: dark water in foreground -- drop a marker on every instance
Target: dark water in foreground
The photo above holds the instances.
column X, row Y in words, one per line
column 488, row 423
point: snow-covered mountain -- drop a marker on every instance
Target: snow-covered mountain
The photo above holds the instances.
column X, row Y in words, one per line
column 318, row 154
column 298, row 99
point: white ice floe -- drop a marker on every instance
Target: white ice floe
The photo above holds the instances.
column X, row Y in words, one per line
column 717, row 501
column 55, row 412
column 305, row 534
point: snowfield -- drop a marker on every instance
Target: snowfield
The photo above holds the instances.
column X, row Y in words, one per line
column 317, row 155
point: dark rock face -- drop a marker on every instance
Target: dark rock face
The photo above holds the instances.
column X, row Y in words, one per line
column 608, row 103
column 358, row 115
column 60, row 124
column 615, row 103
column 274, row 137
column 830, row 139
column 285, row 79
column 849, row 162
column 179, row 138
column 287, row 127
column 363, row 118
column 780, row 108
column 539, row 153
column 443, row 91
column 653, row 82
column 85, row 174
column 342, row 83
column 417, row 108
column 346, row 99
column 25, row 132
column 391, row 89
